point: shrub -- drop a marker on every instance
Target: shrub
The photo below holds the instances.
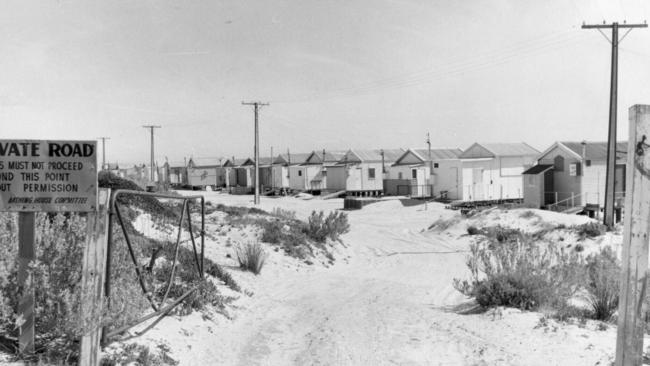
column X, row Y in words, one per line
column 473, row 230
column 590, row 230
column 520, row 272
column 528, row 214
column 284, row 214
column 134, row 353
column 251, row 256
column 320, row 228
column 603, row 272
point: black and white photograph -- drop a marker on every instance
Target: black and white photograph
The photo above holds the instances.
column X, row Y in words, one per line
column 324, row 182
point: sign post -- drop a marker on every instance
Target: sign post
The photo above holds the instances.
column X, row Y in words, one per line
column 37, row 176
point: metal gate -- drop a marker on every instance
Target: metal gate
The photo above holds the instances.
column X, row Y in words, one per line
column 164, row 305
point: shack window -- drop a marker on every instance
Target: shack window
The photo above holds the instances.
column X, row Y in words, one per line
column 414, row 173
column 300, row 173
column 399, row 175
column 559, row 163
column 435, row 165
column 371, row 173
column 324, row 173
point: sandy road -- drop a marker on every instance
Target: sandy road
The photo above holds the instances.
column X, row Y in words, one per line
column 385, row 306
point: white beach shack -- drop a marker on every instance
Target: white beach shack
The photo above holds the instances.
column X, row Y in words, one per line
column 362, row 172
column 297, row 170
column 315, row 170
column 493, row 171
column 426, row 173
column 571, row 175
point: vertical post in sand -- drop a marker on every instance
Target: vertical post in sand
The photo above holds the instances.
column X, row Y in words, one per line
column 26, row 245
column 92, row 279
column 629, row 341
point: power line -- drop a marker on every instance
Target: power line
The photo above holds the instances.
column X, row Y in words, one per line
column 256, row 106
column 481, row 61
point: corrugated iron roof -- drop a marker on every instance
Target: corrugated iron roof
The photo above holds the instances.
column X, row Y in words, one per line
column 439, row 154
column 490, row 150
column 373, row 156
column 297, row 158
column 596, row 150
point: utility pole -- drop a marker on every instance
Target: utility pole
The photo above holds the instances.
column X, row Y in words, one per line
column 151, row 128
column 103, row 150
column 272, row 175
column 256, row 106
column 608, row 218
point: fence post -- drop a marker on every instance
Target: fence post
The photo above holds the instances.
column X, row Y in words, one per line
column 26, row 246
column 92, row 279
column 555, row 197
column 631, row 309
column 572, row 200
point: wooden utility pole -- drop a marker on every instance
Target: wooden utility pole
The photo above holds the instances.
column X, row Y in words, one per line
column 608, row 218
column 272, row 175
column 151, row 128
column 631, row 307
column 103, row 151
column 256, row 106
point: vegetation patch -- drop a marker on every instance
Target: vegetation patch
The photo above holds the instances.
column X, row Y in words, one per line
column 251, row 256
column 56, row 274
column 509, row 268
column 297, row 238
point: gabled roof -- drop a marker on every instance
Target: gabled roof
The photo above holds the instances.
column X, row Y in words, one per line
column 440, row 154
column 316, row 157
column 539, row 168
column 295, row 159
column 492, row 150
column 371, row 156
column 596, row 150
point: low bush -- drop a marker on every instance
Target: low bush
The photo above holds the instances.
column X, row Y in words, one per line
column 603, row 272
column 590, row 230
column 320, row 228
column 528, row 214
column 520, row 272
column 134, row 353
column 251, row 256
column 473, row 230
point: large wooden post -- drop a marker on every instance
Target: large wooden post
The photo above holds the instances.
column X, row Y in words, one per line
column 92, row 279
column 26, row 245
column 629, row 342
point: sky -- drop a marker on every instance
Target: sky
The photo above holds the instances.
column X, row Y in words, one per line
column 337, row 74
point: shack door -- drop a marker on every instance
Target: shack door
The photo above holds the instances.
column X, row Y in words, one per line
column 477, row 184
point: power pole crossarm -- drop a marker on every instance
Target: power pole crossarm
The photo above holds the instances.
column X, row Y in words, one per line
column 256, row 106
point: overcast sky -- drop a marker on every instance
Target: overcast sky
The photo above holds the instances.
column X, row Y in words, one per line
column 337, row 74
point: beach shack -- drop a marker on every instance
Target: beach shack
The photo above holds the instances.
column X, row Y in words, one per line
column 570, row 175
column 494, row 171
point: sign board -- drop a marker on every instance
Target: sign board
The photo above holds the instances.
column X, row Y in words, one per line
column 48, row 175
column 573, row 170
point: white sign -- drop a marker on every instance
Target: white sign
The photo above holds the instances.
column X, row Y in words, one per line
column 44, row 175
column 573, row 170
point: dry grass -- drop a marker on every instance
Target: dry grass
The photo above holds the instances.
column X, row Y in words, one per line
column 251, row 256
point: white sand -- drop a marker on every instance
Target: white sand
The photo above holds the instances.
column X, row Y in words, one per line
column 388, row 300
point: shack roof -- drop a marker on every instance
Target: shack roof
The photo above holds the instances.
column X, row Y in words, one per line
column 440, row 154
column 596, row 150
column 492, row 150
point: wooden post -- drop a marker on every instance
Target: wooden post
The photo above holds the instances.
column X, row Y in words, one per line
column 92, row 279
column 629, row 342
column 26, row 244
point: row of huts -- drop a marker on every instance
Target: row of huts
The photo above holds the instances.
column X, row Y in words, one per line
column 483, row 171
